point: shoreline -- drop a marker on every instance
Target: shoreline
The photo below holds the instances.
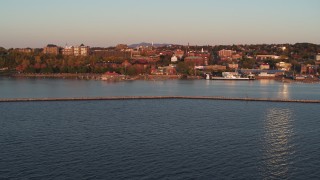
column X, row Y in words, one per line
column 91, row 76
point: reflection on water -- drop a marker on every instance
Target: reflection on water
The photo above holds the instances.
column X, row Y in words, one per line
column 283, row 91
column 264, row 82
column 277, row 146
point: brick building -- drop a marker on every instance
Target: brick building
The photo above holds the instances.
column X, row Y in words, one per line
column 233, row 65
column 51, row 49
column 225, row 53
column 179, row 53
column 196, row 60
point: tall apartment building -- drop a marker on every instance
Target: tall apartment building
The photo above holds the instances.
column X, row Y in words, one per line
column 81, row 50
column 68, row 51
column 24, row 50
column 51, row 49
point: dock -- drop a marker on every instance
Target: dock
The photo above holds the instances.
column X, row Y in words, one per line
column 4, row 100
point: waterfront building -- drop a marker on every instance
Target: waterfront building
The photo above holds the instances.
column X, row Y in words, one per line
column 165, row 70
column 283, row 66
column 233, row 65
column 51, row 49
column 264, row 66
column 266, row 75
column 309, row 69
column 259, row 71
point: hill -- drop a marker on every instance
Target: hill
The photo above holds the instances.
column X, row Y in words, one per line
column 148, row 44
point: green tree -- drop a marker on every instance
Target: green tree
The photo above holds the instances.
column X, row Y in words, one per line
column 2, row 62
column 30, row 69
column 183, row 68
column 248, row 63
column 131, row 71
column 47, row 69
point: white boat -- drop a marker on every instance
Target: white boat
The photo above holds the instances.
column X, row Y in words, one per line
column 233, row 76
column 208, row 77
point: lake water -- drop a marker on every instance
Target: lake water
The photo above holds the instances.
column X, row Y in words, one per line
column 37, row 88
column 158, row 139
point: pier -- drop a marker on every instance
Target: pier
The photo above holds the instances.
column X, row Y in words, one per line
column 3, row 100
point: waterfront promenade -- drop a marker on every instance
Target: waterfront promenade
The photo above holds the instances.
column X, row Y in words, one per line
column 3, row 100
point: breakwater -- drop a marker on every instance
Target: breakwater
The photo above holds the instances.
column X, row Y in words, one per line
column 155, row 97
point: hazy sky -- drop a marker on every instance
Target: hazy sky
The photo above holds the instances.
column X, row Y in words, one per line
column 35, row 23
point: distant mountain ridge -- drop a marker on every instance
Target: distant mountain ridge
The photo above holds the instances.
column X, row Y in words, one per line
column 148, row 44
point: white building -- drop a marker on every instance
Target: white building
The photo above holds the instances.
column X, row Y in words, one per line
column 174, row 58
column 81, row 50
column 263, row 57
column 283, row 66
column 265, row 74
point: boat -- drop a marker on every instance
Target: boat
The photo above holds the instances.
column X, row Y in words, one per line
column 208, row 77
column 233, row 76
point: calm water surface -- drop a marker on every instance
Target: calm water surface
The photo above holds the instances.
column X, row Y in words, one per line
column 158, row 139
column 36, row 88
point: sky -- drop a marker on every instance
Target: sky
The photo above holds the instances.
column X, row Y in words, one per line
column 104, row 23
